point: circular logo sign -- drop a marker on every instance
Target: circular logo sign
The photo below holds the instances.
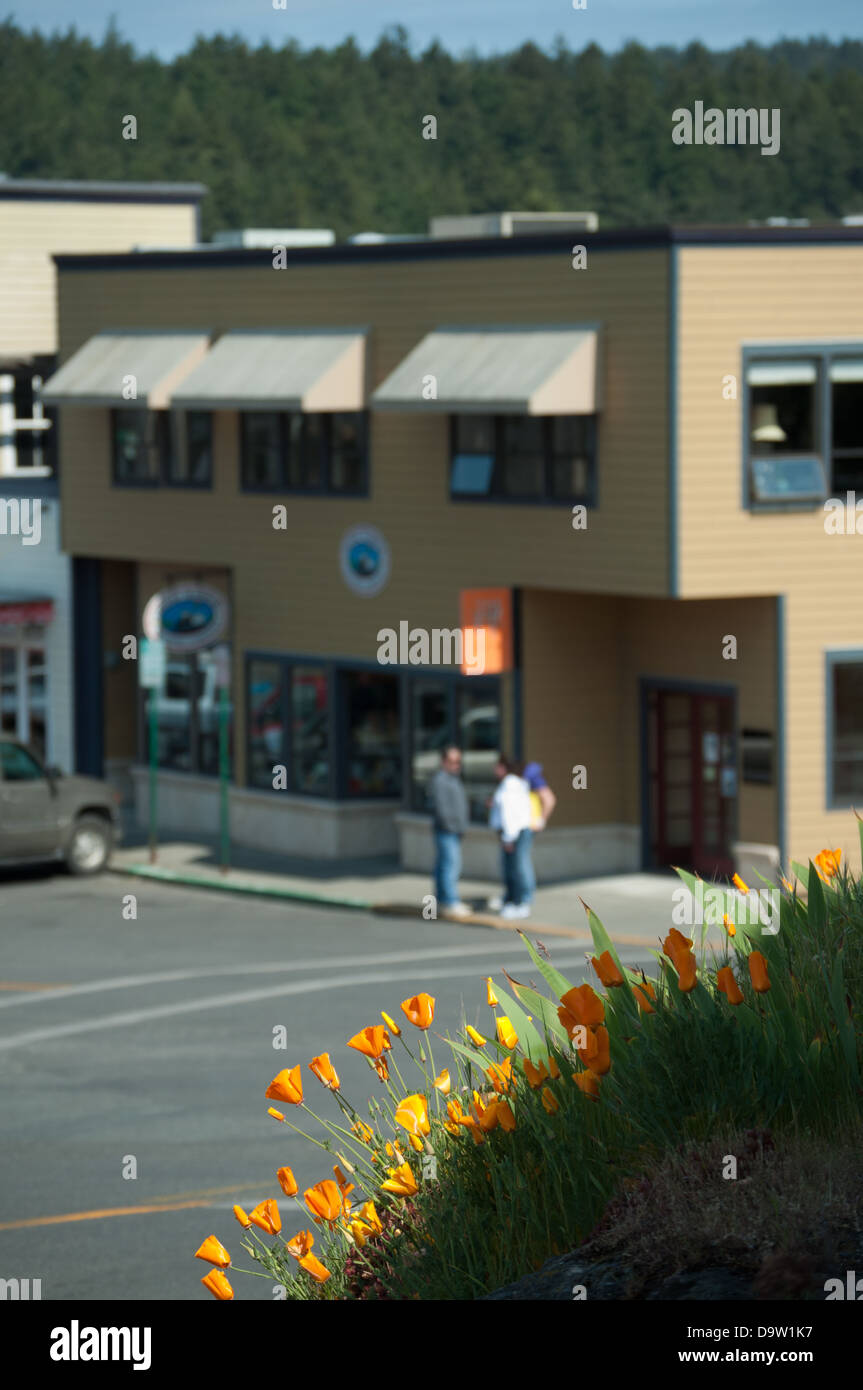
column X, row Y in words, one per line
column 186, row 617
column 365, row 560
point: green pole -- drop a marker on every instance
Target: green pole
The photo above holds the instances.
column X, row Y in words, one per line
column 153, row 722
column 224, row 780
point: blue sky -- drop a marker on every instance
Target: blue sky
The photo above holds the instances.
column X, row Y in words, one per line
column 168, row 27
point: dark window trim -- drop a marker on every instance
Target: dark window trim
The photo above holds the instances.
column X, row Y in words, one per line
column 847, row 656
column 823, row 355
column 283, row 488
column 494, row 497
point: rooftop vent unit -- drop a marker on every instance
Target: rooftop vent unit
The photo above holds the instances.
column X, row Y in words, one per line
column 265, row 238
column 378, row 238
column 503, row 224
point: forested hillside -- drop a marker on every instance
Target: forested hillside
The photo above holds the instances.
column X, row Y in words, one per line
column 332, row 138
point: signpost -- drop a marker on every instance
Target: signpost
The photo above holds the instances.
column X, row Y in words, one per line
column 152, row 673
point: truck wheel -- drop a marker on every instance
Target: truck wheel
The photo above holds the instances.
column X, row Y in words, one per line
column 89, row 846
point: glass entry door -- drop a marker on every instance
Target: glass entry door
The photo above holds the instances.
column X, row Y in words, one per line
column 692, row 780
column 24, row 694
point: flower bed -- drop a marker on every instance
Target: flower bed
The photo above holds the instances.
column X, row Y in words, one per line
column 463, row 1178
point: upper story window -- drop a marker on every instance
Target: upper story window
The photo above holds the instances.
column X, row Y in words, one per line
column 805, row 426
column 319, row 454
column 28, row 431
column 524, row 458
column 162, row 446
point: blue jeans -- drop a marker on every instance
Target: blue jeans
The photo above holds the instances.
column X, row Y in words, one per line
column 447, row 867
column 519, row 880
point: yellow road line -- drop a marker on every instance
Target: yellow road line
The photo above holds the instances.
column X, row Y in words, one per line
column 182, row 1202
column 26, row 984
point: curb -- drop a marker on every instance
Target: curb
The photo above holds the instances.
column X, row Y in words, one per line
column 185, row 880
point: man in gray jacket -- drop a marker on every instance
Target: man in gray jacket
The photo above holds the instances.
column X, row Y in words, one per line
column 450, row 812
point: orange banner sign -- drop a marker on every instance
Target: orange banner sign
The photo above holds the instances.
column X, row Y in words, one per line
column 489, row 611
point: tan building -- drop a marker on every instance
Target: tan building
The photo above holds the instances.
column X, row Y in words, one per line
column 638, row 453
column 39, row 217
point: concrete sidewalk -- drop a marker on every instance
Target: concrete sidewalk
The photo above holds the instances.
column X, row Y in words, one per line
column 635, row 908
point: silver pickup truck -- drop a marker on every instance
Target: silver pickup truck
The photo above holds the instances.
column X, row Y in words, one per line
column 45, row 815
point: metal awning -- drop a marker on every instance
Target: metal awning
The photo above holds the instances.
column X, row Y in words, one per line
column 517, row 370
column 102, row 371
column 23, row 612
column 281, row 369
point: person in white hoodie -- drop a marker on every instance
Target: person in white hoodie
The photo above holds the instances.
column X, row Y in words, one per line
column 511, row 817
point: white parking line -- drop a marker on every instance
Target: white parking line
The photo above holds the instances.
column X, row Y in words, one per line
column 217, row 1001
column 273, row 967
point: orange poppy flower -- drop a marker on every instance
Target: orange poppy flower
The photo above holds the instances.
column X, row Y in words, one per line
column 505, row 1115
column 641, row 999
column 266, row 1216
column 827, row 863
column 606, row 969
column 382, row 1069
column 363, row 1131
column 490, row 994
column 475, row 1037
column 213, row 1252
column 287, row 1182
column 276, row 1114
column 371, row 1042
column 486, row 1116
column 758, row 972
column 443, row 1083
column 739, row 884
column 242, row 1217
column 535, row 1075
column 369, row 1214
column 413, row 1115
column 676, row 945
column 686, row 972
column 325, row 1071
column 324, row 1200
column 312, row 1265
column 500, row 1075
column 287, row 1086
column 391, row 1024
column 300, row 1245
column 419, row 1009
column 727, row 985
column 597, row 1056
column 728, row 925
column 454, row 1110
column 553, row 1068
column 587, row 1082
column 584, row 1004
column 401, row 1181
column 218, row 1285
column 506, row 1034
column 550, row 1101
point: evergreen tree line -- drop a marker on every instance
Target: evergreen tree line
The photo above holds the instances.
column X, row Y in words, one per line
column 333, row 137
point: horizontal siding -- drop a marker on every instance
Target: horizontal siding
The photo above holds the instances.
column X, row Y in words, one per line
column 584, row 659
column 784, row 294
column 437, row 547
column 31, row 232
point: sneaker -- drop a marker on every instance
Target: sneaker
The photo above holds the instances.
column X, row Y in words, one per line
column 459, row 910
column 510, row 911
column 495, row 904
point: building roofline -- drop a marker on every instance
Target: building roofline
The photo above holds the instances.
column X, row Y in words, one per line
column 615, row 239
column 100, row 191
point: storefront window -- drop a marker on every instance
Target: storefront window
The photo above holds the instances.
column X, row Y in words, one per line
column 266, row 720
column 24, row 695
column 478, row 734
column 430, row 733
column 310, row 758
column 135, row 461
column 373, row 736
column 187, row 716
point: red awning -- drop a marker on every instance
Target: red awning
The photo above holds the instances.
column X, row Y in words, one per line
column 23, row 612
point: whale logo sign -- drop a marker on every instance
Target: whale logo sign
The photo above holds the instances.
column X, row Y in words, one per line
column 186, row 617
column 365, row 560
